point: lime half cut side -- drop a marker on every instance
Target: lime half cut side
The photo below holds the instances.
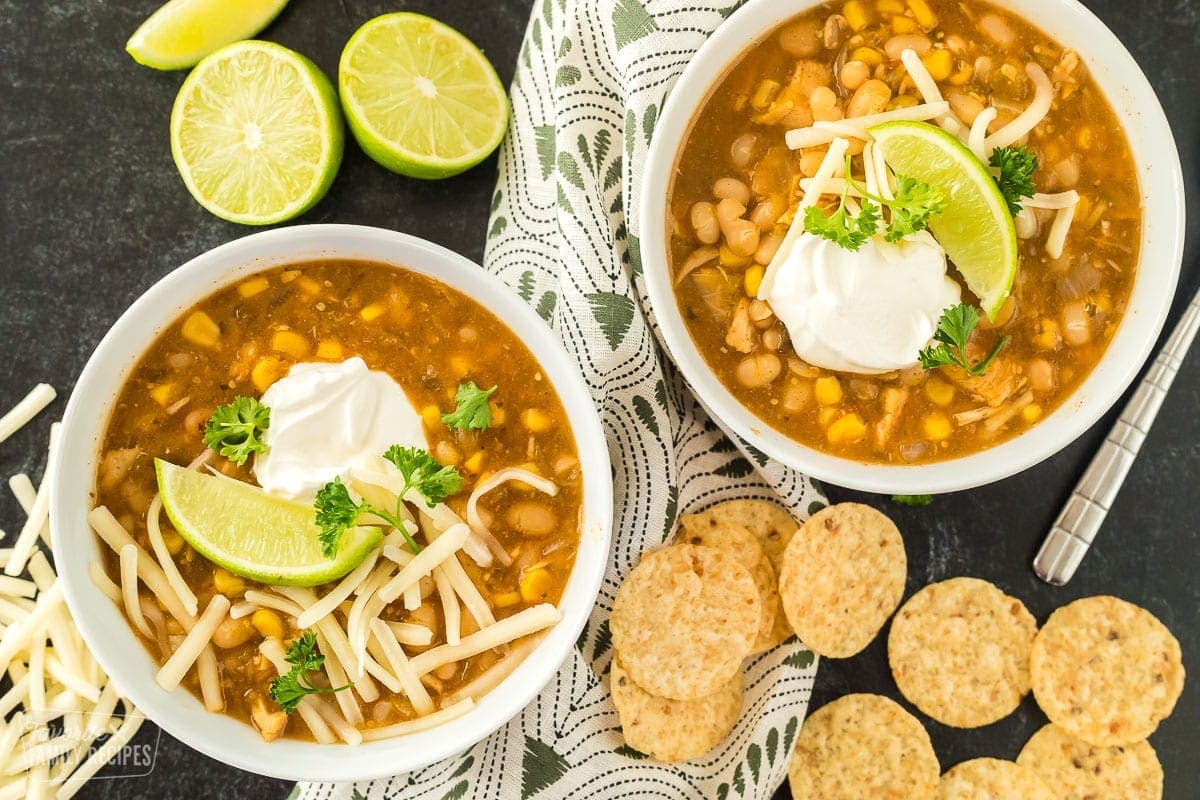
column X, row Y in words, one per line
column 182, row 32
column 420, row 98
column 250, row 533
column 975, row 228
column 256, row 133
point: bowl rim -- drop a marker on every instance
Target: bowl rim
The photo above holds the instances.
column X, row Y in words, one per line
column 110, row 637
column 1160, row 174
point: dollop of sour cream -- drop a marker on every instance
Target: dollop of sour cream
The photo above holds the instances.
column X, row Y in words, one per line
column 866, row 311
column 327, row 419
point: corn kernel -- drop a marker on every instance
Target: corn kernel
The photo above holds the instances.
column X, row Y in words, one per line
column 431, row 415
column 267, row 622
column 474, row 464
column 290, row 343
column 939, row 392
column 200, row 329
column 856, row 14
column 868, row 55
column 938, row 427
column 498, row 413
column 227, row 583
column 329, row 349
column 827, row 415
column 901, row 101
column 1047, row 337
column 828, row 390
column 173, row 541
column 253, row 286
column 902, row 24
column 889, row 6
column 923, row 13
column 535, row 585
column 163, row 393
column 1103, row 302
column 536, row 420
column 753, row 279
column 731, row 259
column 308, row 285
column 940, row 64
column 1031, row 413
column 460, row 365
column 372, row 312
column 268, row 370
column 289, row 276
column 764, row 93
column 506, row 599
column 846, row 430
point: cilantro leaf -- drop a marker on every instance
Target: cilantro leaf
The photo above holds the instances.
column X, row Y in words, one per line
column 1016, row 165
column 235, row 430
column 421, row 472
column 914, row 204
column 954, row 328
column 848, row 232
column 915, row 500
column 290, row 688
column 471, row 411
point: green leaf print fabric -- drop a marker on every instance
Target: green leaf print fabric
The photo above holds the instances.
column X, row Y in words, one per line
column 591, row 78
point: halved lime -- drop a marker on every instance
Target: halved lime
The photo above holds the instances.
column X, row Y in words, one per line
column 421, row 99
column 182, row 32
column 975, row 228
column 250, row 533
column 256, row 133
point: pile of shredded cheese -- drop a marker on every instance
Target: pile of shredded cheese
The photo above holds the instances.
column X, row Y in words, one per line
column 60, row 703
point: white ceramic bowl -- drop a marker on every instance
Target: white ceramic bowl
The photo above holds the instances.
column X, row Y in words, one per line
column 1161, row 252
column 103, row 625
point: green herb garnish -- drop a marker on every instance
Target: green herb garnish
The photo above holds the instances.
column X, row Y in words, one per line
column 1016, row 165
column 337, row 512
column 235, row 430
column 290, row 688
column 471, row 412
column 431, row 480
column 915, row 202
column 915, row 500
column 954, row 328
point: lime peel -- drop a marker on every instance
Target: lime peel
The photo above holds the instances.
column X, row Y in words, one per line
column 975, row 227
column 241, row 528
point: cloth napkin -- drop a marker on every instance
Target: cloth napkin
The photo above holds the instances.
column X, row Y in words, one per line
column 590, row 80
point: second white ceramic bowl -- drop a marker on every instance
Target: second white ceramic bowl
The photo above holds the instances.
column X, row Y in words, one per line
column 105, row 628
column 1159, row 172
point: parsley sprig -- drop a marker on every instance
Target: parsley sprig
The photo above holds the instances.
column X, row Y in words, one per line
column 290, row 688
column 914, row 500
column 337, row 512
column 471, row 412
column 1016, row 166
column 954, row 328
column 910, row 210
column 235, row 430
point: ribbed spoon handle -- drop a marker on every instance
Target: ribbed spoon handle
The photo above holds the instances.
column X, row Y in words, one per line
column 1081, row 518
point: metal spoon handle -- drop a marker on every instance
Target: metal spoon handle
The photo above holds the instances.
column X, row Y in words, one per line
column 1081, row 518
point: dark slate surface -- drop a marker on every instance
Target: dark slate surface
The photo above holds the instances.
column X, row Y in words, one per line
column 92, row 212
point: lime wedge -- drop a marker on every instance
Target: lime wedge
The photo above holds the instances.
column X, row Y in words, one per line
column 241, row 528
column 975, row 228
column 421, row 99
column 182, row 32
column 256, row 133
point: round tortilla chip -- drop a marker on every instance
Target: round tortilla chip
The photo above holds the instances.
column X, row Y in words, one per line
column 992, row 779
column 674, row 730
column 1106, row 671
column 739, row 542
column 771, row 523
column 1076, row 770
column 684, row 619
column 959, row 651
column 843, row 576
column 863, row 746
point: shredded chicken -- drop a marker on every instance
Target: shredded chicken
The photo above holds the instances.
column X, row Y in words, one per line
column 994, row 387
column 791, row 107
column 894, row 398
column 740, row 335
column 268, row 719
